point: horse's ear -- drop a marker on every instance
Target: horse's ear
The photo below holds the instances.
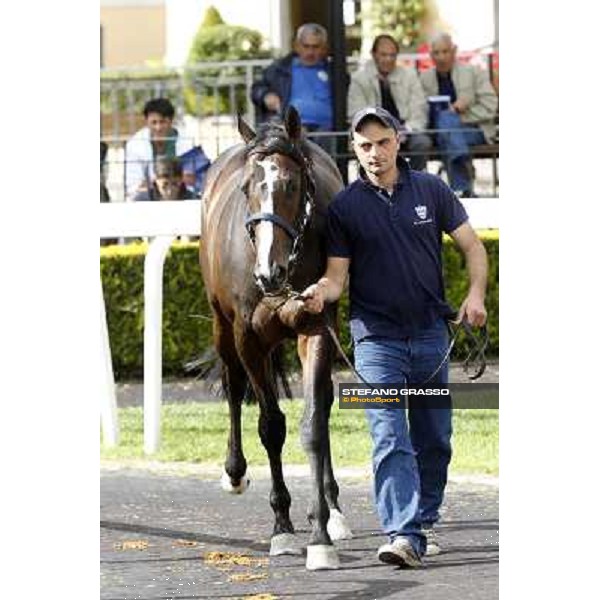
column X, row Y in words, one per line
column 293, row 125
column 247, row 133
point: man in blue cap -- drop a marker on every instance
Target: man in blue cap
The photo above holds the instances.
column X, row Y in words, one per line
column 385, row 231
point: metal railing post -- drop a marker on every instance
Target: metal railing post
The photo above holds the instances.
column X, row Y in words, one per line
column 114, row 101
column 250, row 110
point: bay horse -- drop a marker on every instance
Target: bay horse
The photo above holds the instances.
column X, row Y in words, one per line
column 263, row 234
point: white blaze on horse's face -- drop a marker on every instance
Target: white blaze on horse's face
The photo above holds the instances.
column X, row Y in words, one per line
column 265, row 229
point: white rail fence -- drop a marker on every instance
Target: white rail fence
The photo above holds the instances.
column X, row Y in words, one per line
column 163, row 222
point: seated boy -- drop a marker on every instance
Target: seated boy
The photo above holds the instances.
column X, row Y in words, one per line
column 168, row 182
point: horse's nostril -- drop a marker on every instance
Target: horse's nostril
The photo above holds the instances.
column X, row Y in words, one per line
column 279, row 274
column 262, row 281
column 266, row 284
column 273, row 282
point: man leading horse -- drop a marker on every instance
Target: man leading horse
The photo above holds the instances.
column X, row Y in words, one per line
column 385, row 230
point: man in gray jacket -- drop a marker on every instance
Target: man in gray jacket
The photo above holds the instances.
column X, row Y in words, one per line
column 381, row 82
column 466, row 117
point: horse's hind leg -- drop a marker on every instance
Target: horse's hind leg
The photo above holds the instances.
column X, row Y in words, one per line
column 316, row 354
column 235, row 380
column 272, row 432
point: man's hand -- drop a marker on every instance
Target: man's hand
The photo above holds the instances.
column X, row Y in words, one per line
column 461, row 105
column 272, row 102
column 329, row 288
column 470, row 245
column 474, row 309
column 314, row 299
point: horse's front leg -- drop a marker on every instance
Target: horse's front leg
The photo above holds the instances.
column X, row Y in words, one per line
column 272, row 432
column 234, row 379
column 316, row 354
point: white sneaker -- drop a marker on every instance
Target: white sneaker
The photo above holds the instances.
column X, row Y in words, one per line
column 399, row 552
column 433, row 546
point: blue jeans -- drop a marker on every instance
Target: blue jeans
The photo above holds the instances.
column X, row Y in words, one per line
column 420, row 144
column 410, row 468
column 455, row 147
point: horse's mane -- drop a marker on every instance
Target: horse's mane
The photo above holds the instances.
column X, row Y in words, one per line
column 272, row 138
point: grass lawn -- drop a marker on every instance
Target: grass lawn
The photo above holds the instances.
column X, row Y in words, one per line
column 197, row 432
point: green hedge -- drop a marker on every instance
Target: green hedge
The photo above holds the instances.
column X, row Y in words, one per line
column 221, row 42
column 187, row 332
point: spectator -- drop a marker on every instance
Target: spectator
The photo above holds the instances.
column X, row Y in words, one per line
column 303, row 79
column 104, row 195
column 168, row 182
column 385, row 231
column 158, row 138
column 381, row 82
column 469, row 115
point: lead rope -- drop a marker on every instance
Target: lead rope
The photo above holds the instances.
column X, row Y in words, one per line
column 290, row 294
column 477, row 346
column 476, row 354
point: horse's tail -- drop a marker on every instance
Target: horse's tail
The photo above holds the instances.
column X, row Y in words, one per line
column 209, row 365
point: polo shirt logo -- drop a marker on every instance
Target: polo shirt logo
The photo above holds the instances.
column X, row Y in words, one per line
column 323, row 76
column 421, row 211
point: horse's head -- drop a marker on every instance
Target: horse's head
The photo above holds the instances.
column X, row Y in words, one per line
column 279, row 188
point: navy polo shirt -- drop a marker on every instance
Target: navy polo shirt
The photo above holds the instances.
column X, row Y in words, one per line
column 394, row 245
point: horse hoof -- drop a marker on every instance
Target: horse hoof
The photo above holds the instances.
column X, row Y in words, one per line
column 320, row 557
column 337, row 526
column 234, row 489
column 284, row 543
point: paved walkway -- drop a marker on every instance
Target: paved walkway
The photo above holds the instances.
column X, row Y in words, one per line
column 156, row 531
